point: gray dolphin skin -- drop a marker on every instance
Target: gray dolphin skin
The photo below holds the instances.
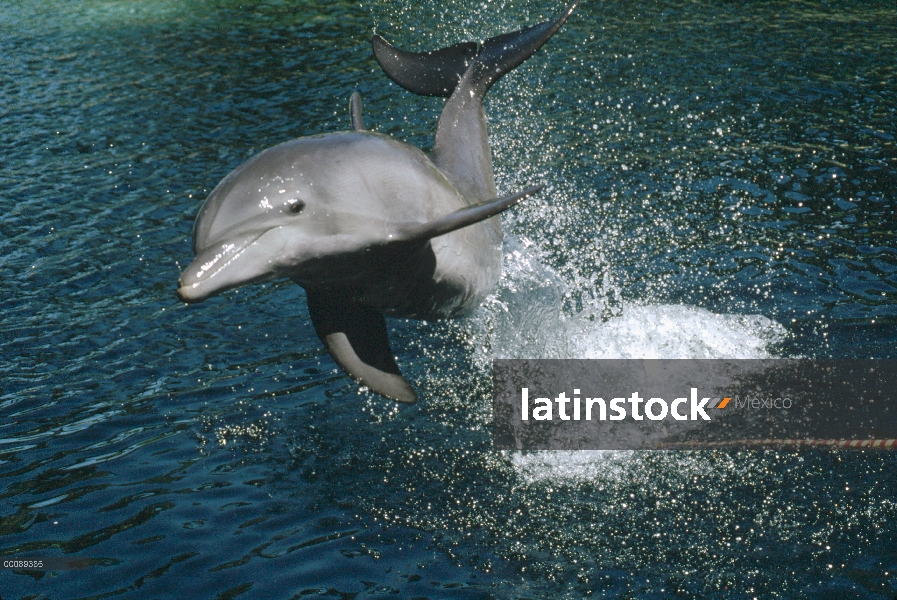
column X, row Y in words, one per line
column 369, row 225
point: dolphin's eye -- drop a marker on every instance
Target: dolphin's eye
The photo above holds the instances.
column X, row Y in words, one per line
column 296, row 206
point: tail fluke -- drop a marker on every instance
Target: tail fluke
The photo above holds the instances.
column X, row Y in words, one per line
column 439, row 72
column 434, row 73
column 461, row 147
column 464, row 73
column 501, row 54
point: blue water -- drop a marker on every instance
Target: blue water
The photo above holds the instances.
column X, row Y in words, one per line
column 721, row 182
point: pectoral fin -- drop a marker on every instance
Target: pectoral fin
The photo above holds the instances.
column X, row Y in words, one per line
column 357, row 340
column 461, row 218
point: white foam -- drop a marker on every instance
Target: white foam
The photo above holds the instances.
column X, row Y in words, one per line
column 525, row 319
column 569, row 466
column 675, row 332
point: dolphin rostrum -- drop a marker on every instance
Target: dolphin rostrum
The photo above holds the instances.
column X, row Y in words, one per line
column 369, row 225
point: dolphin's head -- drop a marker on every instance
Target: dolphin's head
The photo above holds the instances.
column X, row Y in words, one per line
column 292, row 211
column 326, row 211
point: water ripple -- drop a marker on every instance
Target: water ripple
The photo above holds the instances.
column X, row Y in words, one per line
column 719, row 182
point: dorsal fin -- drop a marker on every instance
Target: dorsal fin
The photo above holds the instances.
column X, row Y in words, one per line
column 355, row 112
column 434, row 73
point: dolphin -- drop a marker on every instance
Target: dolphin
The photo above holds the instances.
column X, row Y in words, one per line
column 369, row 225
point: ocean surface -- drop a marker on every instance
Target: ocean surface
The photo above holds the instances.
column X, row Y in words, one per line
column 721, row 182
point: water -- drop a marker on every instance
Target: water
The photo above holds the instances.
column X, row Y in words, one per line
column 720, row 183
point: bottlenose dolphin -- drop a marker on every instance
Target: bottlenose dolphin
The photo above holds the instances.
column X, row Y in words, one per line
column 369, row 225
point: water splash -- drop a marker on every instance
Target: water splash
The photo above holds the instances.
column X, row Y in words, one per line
column 526, row 318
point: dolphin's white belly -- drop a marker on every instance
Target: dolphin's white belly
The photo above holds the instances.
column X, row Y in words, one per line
column 468, row 266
